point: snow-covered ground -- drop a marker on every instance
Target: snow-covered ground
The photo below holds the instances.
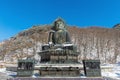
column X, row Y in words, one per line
column 114, row 73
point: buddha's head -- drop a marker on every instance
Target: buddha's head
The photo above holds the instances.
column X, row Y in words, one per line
column 59, row 24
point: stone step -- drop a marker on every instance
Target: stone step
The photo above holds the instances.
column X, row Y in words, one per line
column 58, row 78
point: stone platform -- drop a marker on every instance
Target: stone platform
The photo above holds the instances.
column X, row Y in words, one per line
column 12, row 67
column 57, row 78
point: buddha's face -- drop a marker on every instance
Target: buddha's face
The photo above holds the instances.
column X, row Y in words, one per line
column 60, row 25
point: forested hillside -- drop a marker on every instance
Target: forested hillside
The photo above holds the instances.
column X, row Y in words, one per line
column 92, row 43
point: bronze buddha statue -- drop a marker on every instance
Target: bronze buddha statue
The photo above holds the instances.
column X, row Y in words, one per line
column 59, row 33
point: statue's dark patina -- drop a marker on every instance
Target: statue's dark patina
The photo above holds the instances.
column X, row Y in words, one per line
column 59, row 33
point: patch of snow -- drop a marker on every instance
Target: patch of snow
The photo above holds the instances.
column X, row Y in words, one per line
column 114, row 73
column 35, row 75
column 2, row 69
column 67, row 44
column 8, row 73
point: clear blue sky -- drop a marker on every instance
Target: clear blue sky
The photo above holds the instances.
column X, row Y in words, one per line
column 17, row 15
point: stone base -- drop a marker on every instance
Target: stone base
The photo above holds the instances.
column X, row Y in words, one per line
column 58, row 57
column 57, row 78
column 59, row 71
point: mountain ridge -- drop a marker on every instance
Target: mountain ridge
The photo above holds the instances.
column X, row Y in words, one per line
column 92, row 43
